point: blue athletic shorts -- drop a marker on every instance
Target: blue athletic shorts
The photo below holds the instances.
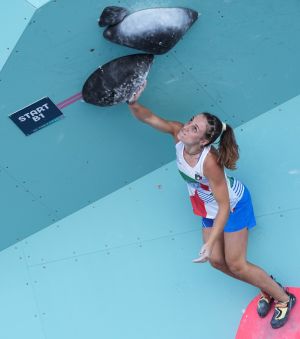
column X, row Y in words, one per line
column 242, row 215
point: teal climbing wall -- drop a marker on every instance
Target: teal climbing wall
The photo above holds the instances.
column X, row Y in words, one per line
column 115, row 261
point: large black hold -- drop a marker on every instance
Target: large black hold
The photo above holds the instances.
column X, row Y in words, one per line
column 116, row 81
column 153, row 30
column 112, row 15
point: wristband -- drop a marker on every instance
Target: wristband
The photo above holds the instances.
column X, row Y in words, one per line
column 129, row 102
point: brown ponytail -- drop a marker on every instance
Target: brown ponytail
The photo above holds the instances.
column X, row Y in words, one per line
column 228, row 149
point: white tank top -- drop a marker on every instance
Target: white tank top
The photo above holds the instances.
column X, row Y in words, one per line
column 203, row 201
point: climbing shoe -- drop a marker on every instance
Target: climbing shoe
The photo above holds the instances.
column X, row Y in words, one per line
column 282, row 311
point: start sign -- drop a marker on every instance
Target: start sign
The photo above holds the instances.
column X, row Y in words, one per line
column 36, row 115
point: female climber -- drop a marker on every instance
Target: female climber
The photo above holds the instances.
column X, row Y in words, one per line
column 223, row 202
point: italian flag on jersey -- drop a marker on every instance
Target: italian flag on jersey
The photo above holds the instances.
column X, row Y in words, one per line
column 197, row 203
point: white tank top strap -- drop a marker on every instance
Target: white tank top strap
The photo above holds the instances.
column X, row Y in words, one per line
column 204, row 153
